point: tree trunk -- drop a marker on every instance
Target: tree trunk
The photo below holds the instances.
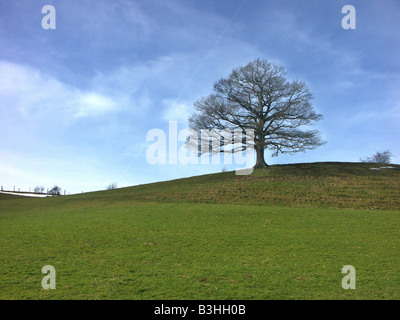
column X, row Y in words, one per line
column 260, row 159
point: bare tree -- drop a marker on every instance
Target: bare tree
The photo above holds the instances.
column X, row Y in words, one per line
column 56, row 191
column 112, row 186
column 38, row 189
column 379, row 157
column 257, row 96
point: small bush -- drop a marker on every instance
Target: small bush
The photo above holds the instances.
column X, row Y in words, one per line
column 379, row 157
column 112, row 186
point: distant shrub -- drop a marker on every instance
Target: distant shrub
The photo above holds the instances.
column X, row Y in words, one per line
column 379, row 157
column 55, row 191
column 38, row 189
column 112, row 186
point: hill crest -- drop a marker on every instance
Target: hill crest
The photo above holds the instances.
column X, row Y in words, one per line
column 320, row 184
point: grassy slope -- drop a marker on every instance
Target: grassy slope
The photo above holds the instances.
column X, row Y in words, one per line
column 127, row 244
column 336, row 185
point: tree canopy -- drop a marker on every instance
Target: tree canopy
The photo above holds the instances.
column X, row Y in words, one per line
column 258, row 96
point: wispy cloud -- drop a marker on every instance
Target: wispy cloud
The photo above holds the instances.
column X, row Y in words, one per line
column 91, row 104
column 36, row 94
column 177, row 110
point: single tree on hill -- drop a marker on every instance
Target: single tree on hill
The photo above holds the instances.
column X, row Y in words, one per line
column 258, row 96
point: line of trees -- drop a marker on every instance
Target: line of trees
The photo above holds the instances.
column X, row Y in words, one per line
column 38, row 189
column 55, row 191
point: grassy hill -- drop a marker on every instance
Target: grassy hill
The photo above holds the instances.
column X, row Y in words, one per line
column 330, row 184
column 282, row 233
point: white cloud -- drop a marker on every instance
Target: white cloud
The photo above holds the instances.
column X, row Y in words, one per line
column 177, row 111
column 93, row 104
column 36, row 94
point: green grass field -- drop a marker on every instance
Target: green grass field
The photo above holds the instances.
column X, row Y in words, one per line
column 282, row 233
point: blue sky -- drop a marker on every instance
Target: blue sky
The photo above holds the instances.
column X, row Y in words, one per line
column 77, row 102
